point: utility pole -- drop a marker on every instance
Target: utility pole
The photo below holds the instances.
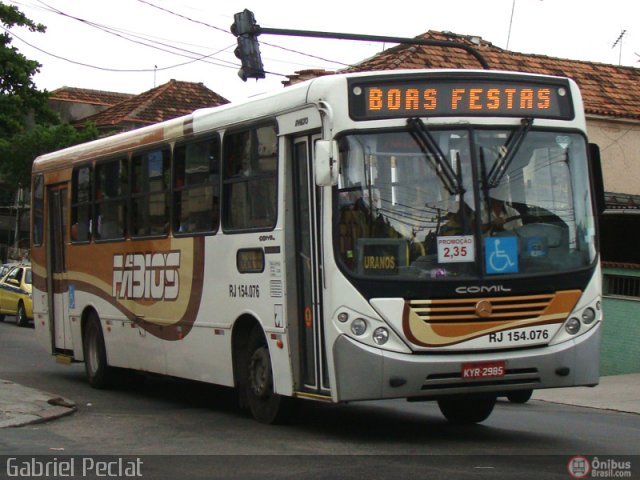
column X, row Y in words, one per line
column 16, row 236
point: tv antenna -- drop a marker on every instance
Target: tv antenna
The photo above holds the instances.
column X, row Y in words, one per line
column 619, row 41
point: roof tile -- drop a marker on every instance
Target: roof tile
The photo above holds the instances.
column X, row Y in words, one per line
column 607, row 90
column 170, row 100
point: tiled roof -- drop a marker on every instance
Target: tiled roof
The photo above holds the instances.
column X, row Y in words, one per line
column 607, row 90
column 171, row 100
column 85, row 95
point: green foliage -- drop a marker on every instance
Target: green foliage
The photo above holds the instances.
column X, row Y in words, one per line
column 28, row 127
column 18, row 153
column 20, row 100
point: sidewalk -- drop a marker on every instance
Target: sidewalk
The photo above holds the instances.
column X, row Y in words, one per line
column 20, row 405
column 617, row 392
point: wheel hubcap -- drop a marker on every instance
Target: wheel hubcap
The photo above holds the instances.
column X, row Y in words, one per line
column 259, row 373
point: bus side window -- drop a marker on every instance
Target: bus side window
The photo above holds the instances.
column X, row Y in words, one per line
column 196, row 186
column 250, row 179
column 150, row 173
column 110, row 203
column 81, row 204
column 38, row 210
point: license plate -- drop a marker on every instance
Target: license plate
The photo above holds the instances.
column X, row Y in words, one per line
column 483, row 369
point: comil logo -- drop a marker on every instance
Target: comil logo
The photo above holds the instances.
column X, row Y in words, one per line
column 579, row 467
column 152, row 276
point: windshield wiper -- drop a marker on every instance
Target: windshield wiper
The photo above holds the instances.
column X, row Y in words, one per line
column 451, row 181
column 507, row 153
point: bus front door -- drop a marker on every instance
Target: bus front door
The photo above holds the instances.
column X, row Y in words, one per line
column 56, row 285
column 313, row 374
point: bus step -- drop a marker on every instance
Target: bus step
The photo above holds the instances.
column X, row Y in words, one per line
column 64, row 359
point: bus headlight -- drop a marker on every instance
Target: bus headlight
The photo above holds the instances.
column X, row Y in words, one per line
column 343, row 317
column 572, row 326
column 358, row 326
column 588, row 315
column 380, row 335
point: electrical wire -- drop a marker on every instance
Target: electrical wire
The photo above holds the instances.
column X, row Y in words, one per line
column 155, row 43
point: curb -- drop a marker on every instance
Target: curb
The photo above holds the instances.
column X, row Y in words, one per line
column 20, row 405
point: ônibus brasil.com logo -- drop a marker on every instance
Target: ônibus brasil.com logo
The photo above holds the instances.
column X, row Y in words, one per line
column 582, row 467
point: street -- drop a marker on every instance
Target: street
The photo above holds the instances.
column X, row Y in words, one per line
column 163, row 416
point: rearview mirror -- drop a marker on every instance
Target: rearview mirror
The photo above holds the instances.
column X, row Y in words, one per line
column 326, row 160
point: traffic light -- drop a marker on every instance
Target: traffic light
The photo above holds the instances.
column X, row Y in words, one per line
column 248, row 50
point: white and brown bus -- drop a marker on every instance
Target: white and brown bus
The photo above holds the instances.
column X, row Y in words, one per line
column 427, row 235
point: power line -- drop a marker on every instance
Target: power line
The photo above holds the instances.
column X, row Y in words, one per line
column 171, row 12
column 154, row 43
column 108, row 69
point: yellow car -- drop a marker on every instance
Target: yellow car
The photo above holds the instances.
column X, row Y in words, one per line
column 15, row 295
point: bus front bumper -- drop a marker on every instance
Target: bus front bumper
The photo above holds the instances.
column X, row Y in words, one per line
column 367, row 373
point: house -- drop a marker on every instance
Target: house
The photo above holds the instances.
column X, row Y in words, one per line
column 170, row 100
column 73, row 104
column 611, row 96
column 112, row 112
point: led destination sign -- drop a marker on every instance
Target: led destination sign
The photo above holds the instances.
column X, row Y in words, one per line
column 439, row 97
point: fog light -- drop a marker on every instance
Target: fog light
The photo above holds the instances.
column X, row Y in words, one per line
column 572, row 326
column 588, row 315
column 343, row 317
column 380, row 335
column 358, row 326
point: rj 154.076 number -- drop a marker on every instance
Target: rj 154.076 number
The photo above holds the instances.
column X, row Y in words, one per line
column 519, row 336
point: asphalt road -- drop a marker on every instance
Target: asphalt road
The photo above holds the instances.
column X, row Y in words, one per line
column 193, row 430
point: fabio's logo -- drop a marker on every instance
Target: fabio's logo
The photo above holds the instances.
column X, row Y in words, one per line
column 152, row 276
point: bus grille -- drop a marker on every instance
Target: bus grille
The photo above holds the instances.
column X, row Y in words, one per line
column 504, row 309
column 445, row 322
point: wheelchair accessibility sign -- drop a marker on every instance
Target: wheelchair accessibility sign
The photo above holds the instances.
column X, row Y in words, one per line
column 501, row 254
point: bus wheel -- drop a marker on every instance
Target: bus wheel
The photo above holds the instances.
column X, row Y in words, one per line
column 95, row 354
column 265, row 405
column 520, row 396
column 21, row 316
column 464, row 410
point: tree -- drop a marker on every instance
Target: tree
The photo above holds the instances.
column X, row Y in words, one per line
column 24, row 147
column 18, row 93
column 28, row 127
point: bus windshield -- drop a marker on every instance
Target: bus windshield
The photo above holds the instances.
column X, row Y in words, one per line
column 518, row 207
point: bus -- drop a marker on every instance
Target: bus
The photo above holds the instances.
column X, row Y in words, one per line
column 422, row 234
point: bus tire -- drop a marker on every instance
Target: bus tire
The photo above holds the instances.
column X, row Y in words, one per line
column 467, row 409
column 520, row 396
column 265, row 405
column 99, row 374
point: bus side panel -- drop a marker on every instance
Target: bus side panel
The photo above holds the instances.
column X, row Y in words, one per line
column 41, row 309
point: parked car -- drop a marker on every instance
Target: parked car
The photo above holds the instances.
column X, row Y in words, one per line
column 15, row 294
column 4, row 269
